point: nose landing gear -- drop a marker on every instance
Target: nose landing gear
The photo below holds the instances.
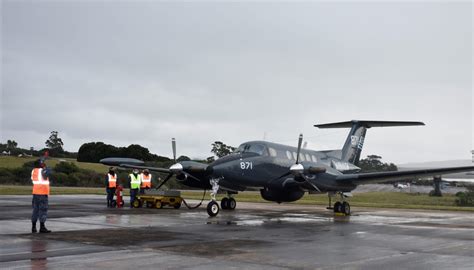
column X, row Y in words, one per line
column 227, row 203
column 213, row 206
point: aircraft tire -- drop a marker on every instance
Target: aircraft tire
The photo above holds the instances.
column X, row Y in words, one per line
column 231, row 204
column 346, row 208
column 212, row 208
column 337, row 207
column 225, row 203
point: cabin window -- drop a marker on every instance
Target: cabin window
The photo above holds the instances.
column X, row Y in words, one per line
column 294, row 155
column 308, row 158
column 314, row 158
column 288, row 155
column 302, row 157
column 272, row 152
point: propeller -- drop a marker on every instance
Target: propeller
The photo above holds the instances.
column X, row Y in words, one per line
column 298, row 170
column 178, row 169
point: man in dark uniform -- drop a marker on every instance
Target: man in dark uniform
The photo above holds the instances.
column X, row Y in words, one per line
column 110, row 185
column 40, row 179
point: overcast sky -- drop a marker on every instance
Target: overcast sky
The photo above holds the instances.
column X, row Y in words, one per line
column 143, row 73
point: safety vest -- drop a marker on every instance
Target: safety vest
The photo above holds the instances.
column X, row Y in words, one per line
column 40, row 184
column 134, row 181
column 146, row 180
column 112, row 180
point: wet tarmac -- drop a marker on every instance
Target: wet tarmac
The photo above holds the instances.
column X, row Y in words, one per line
column 254, row 236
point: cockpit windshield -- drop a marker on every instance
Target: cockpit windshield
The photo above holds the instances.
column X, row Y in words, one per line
column 252, row 148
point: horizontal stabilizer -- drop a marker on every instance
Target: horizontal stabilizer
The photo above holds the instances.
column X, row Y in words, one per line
column 369, row 124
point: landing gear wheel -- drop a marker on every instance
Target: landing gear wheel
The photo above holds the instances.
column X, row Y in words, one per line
column 225, row 203
column 231, row 204
column 346, row 208
column 158, row 205
column 113, row 204
column 136, row 203
column 212, row 208
column 177, row 206
column 337, row 207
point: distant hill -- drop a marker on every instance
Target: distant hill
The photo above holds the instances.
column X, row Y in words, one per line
column 440, row 164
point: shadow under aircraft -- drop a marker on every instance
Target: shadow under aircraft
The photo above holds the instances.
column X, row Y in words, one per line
column 284, row 173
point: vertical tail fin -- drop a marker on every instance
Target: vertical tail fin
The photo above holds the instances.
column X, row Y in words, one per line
column 355, row 140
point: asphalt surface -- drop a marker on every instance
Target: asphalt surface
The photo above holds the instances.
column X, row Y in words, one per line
column 254, row 236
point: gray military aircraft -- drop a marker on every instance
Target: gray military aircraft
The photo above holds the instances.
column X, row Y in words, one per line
column 284, row 173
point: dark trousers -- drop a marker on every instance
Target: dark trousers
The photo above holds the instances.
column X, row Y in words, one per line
column 133, row 195
column 40, row 208
column 110, row 196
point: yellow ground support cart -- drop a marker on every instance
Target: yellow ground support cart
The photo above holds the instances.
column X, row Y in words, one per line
column 158, row 199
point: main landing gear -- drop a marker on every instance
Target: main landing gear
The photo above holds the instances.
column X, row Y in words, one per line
column 227, row 203
column 341, row 207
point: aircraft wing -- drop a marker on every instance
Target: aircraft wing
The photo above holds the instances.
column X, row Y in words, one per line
column 155, row 169
column 131, row 163
column 379, row 177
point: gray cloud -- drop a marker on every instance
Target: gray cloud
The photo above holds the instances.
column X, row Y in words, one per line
column 142, row 73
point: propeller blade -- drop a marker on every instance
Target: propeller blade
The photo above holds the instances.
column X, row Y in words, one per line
column 173, row 145
column 281, row 176
column 300, row 140
column 164, row 181
column 191, row 176
column 313, row 185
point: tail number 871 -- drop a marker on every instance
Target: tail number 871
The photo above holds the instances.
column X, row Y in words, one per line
column 246, row 165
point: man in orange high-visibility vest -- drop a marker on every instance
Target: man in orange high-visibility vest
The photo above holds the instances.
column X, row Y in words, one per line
column 110, row 185
column 40, row 180
column 145, row 181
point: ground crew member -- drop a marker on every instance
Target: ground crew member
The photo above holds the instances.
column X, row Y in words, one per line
column 40, row 179
column 134, row 185
column 110, row 185
column 145, row 181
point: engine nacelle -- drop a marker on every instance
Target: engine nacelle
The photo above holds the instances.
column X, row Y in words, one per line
column 181, row 177
column 281, row 195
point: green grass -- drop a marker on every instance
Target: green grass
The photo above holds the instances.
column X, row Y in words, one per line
column 369, row 199
column 15, row 162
